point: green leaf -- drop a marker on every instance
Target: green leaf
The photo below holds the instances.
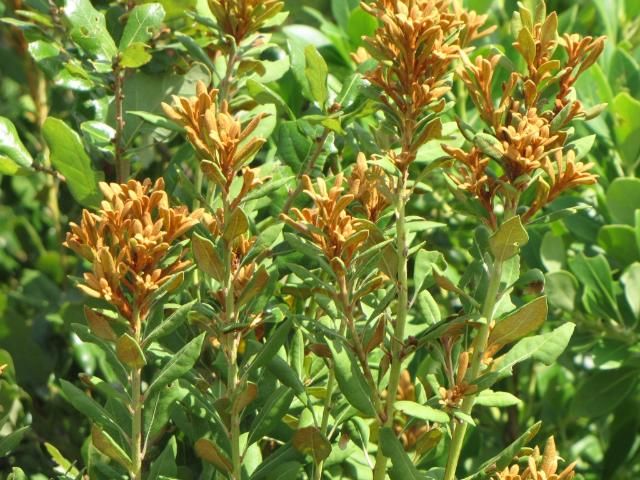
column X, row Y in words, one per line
column 14, row 157
column 310, row 441
column 88, row 407
column 595, row 274
column 274, row 341
column 293, row 145
column 264, row 94
column 69, row 157
column 287, row 375
column 623, row 199
column 626, row 114
column 270, row 416
column 89, row 29
column 489, row 398
column 360, row 24
column 631, row 281
column 165, row 464
column 157, row 410
column 581, row 147
column 178, row 365
column 169, row 325
column 108, row 446
column 129, row 352
column 60, row 460
column 422, row 412
column 135, row 55
column 602, row 391
column 504, row 458
column 619, row 241
column 506, row 242
column 99, row 133
column 525, row 320
column 156, row 120
column 561, row 287
column 9, row 442
column 316, row 71
column 350, row 379
column 142, row 22
column 545, row 348
column 403, row 468
column 552, row 252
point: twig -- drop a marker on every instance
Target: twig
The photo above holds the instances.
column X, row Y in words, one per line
column 123, row 168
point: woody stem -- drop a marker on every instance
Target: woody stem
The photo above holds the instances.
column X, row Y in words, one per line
column 121, row 162
column 479, row 347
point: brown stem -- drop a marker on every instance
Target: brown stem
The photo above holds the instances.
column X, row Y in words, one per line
column 123, row 168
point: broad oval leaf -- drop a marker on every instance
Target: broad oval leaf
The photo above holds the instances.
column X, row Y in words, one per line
column 69, row 157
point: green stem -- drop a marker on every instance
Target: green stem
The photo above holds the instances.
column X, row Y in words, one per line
column 397, row 340
column 357, row 345
column 136, row 408
column 232, row 380
column 326, row 412
column 231, row 345
column 479, row 347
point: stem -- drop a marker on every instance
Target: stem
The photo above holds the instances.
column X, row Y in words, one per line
column 397, row 340
column 479, row 346
column 136, row 407
column 317, row 474
column 232, row 381
column 232, row 340
column 305, row 171
column 357, row 344
column 225, row 83
column 123, row 168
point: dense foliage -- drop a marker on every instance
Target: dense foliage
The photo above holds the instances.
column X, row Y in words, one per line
column 265, row 239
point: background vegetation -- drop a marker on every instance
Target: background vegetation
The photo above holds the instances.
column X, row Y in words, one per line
column 590, row 399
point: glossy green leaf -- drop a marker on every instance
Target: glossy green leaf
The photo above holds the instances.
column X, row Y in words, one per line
column 142, row 23
column 179, row 364
column 316, row 71
column 14, row 157
column 9, row 442
column 171, row 323
column 165, row 465
column 275, row 407
column 89, row 29
column 422, row 412
column 135, row 56
column 69, row 157
column 87, row 406
column 403, row 468
column 350, row 378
